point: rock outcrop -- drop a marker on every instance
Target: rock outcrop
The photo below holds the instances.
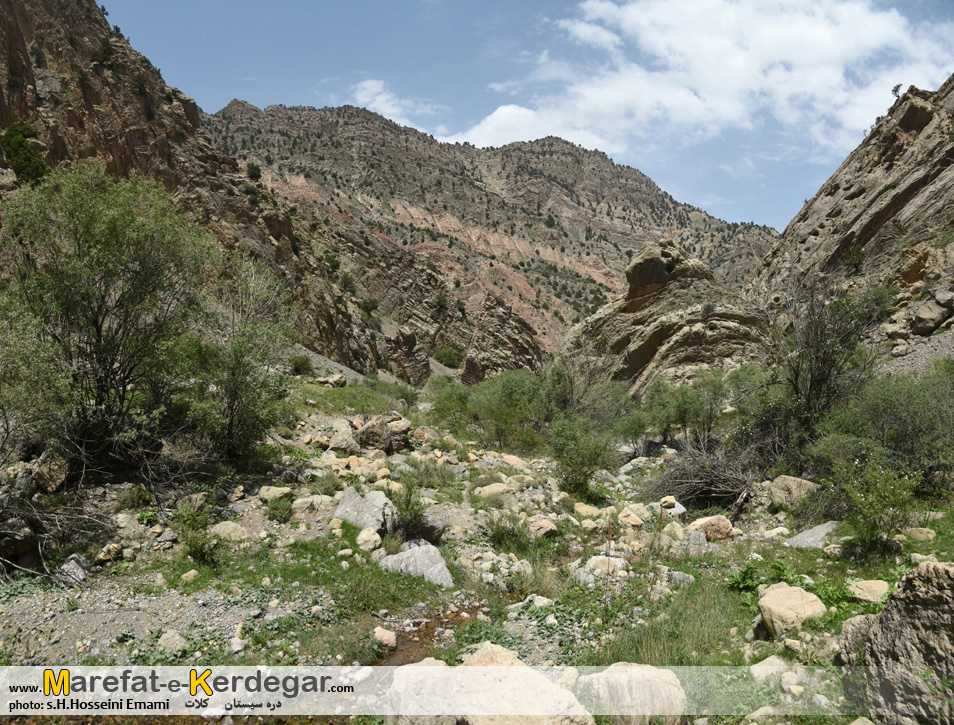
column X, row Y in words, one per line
column 675, row 319
column 907, row 651
column 883, row 218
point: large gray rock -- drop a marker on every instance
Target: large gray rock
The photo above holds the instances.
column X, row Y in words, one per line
column 231, row 531
column 913, row 635
column 373, row 511
column 424, row 560
column 74, row 570
column 634, row 693
column 344, row 442
column 813, row 538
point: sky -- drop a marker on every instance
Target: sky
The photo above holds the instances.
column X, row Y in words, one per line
column 741, row 107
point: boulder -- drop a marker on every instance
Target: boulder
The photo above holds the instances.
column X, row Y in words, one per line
column 913, row 635
column 633, row 693
column 424, row 560
column 173, row 642
column 871, row 591
column 788, row 491
column 813, row 538
column 275, row 493
column 375, row 434
column 493, row 489
column 344, row 442
column 368, row 540
column 929, row 316
column 715, row 528
column 585, row 510
column 230, row 531
column 386, row 637
column 632, row 517
column 74, row 570
column 920, row 534
column 110, row 552
column 786, row 608
column 373, row 511
column 541, row 528
column 400, row 430
column 50, row 472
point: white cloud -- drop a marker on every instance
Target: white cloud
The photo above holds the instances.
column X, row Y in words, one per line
column 820, row 70
column 375, row 95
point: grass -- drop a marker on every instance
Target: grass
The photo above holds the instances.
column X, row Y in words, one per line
column 371, row 397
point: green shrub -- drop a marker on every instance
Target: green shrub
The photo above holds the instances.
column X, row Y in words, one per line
column 198, row 545
column 880, row 500
column 253, row 171
column 301, row 365
column 103, row 53
column 408, row 521
column 448, row 356
column 134, row 498
column 24, row 161
column 579, row 453
column 280, row 510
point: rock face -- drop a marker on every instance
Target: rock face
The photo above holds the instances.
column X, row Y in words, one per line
column 673, row 320
column 883, row 218
column 785, row 608
column 913, row 634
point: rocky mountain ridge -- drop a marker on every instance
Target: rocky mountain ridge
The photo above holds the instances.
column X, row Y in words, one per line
column 547, row 225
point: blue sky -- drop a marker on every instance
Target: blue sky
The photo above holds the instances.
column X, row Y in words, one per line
column 742, row 107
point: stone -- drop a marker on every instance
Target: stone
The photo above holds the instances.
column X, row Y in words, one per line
column 813, row 538
column 920, row 534
column 274, row 493
column 715, row 528
column 913, row 634
column 50, row 472
column 674, row 531
column 630, row 517
column 668, row 502
column 237, row 644
column 230, row 531
column 74, row 570
column 872, row 591
column 110, row 552
column 189, row 576
column 861, row 721
column 929, row 316
column 172, row 641
column 676, row 512
column 386, row 637
column 787, row 491
column 541, row 528
column 585, row 510
column 514, row 461
column 634, row 693
column 493, row 489
column 373, row 511
column 368, row 540
column 605, row 565
column 424, row 561
column 773, row 667
column 786, row 608
column 400, row 430
column 344, row 442
column 375, row 434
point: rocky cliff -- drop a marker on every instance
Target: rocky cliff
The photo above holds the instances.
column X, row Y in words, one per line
column 885, row 217
column 547, row 226
column 81, row 91
column 675, row 319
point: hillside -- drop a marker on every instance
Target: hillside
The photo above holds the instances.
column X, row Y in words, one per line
column 885, row 217
column 547, row 225
column 81, row 91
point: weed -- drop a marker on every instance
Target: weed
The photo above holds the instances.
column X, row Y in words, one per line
column 280, row 510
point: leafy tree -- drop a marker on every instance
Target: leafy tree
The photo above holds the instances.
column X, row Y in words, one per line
column 579, row 452
column 108, row 274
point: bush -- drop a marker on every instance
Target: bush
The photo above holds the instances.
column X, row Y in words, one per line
column 134, row 498
column 280, row 510
column 110, row 274
column 253, row 171
column 580, row 453
column 301, row 365
column 881, row 501
column 22, row 158
column 700, row 478
column 448, row 356
column 103, row 53
column 408, row 522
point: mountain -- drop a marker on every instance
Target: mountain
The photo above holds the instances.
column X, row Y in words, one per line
column 885, row 217
column 78, row 90
column 547, row 225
